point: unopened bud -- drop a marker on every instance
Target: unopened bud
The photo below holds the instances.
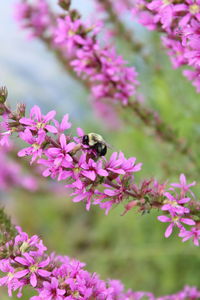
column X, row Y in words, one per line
column 64, row 4
column 75, row 15
column 3, row 94
column 129, row 206
column 21, row 108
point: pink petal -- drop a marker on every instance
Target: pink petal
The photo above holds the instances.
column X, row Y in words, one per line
column 51, row 128
column 166, row 207
column 70, row 146
column 43, row 273
column 164, row 219
column 89, row 174
column 29, row 258
column 184, row 200
column 23, row 152
column 168, row 231
column 54, row 283
column 44, row 263
column 63, row 141
column 26, row 121
column 35, row 111
column 68, row 158
column 3, row 280
column 196, row 241
column 54, row 151
column 110, row 192
column 184, row 20
column 79, row 197
column 137, row 167
column 33, row 280
column 22, row 273
column 169, row 196
column 22, row 261
column 117, row 171
column 78, row 184
column 50, row 116
column 65, row 124
column 188, row 221
column 102, row 172
column 80, row 132
column 46, row 173
column 182, row 179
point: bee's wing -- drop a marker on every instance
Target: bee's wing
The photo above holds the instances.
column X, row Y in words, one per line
column 108, row 145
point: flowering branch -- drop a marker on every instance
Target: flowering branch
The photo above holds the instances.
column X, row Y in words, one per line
column 95, row 180
column 179, row 21
column 24, row 262
column 99, row 68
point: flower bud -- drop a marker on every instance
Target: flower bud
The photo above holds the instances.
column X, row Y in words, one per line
column 75, row 15
column 64, row 4
column 3, row 94
column 129, row 206
column 21, row 108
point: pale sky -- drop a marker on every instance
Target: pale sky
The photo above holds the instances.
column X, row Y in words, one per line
column 30, row 72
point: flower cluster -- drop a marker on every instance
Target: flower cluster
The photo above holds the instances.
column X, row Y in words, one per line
column 180, row 21
column 36, row 16
column 105, row 72
column 24, row 262
column 174, row 205
column 97, row 181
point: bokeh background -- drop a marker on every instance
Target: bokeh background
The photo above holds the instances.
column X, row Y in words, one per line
column 130, row 248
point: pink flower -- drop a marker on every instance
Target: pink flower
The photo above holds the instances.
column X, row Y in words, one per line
column 51, row 290
column 92, row 169
column 193, row 233
column 175, row 206
column 38, row 122
column 120, row 165
column 68, row 33
column 64, row 125
column 9, row 280
column 175, row 221
column 114, row 164
column 35, row 16
column 183, row 186
column 61, row 155
column 32, row 268
column 35, row 150
column 23, row 241
column 191, row 9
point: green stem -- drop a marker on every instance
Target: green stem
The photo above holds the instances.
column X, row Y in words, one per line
column 7, row 230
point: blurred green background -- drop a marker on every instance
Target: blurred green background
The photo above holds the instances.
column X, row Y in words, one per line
column 130, row 248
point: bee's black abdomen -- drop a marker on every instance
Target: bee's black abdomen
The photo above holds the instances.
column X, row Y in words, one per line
column 85, row 140
column 104, row 150
column 100, row 148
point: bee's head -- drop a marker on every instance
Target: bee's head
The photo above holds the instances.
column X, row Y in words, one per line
column 85, row 140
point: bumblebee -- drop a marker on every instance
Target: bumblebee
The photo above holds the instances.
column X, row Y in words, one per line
column 95, row 142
